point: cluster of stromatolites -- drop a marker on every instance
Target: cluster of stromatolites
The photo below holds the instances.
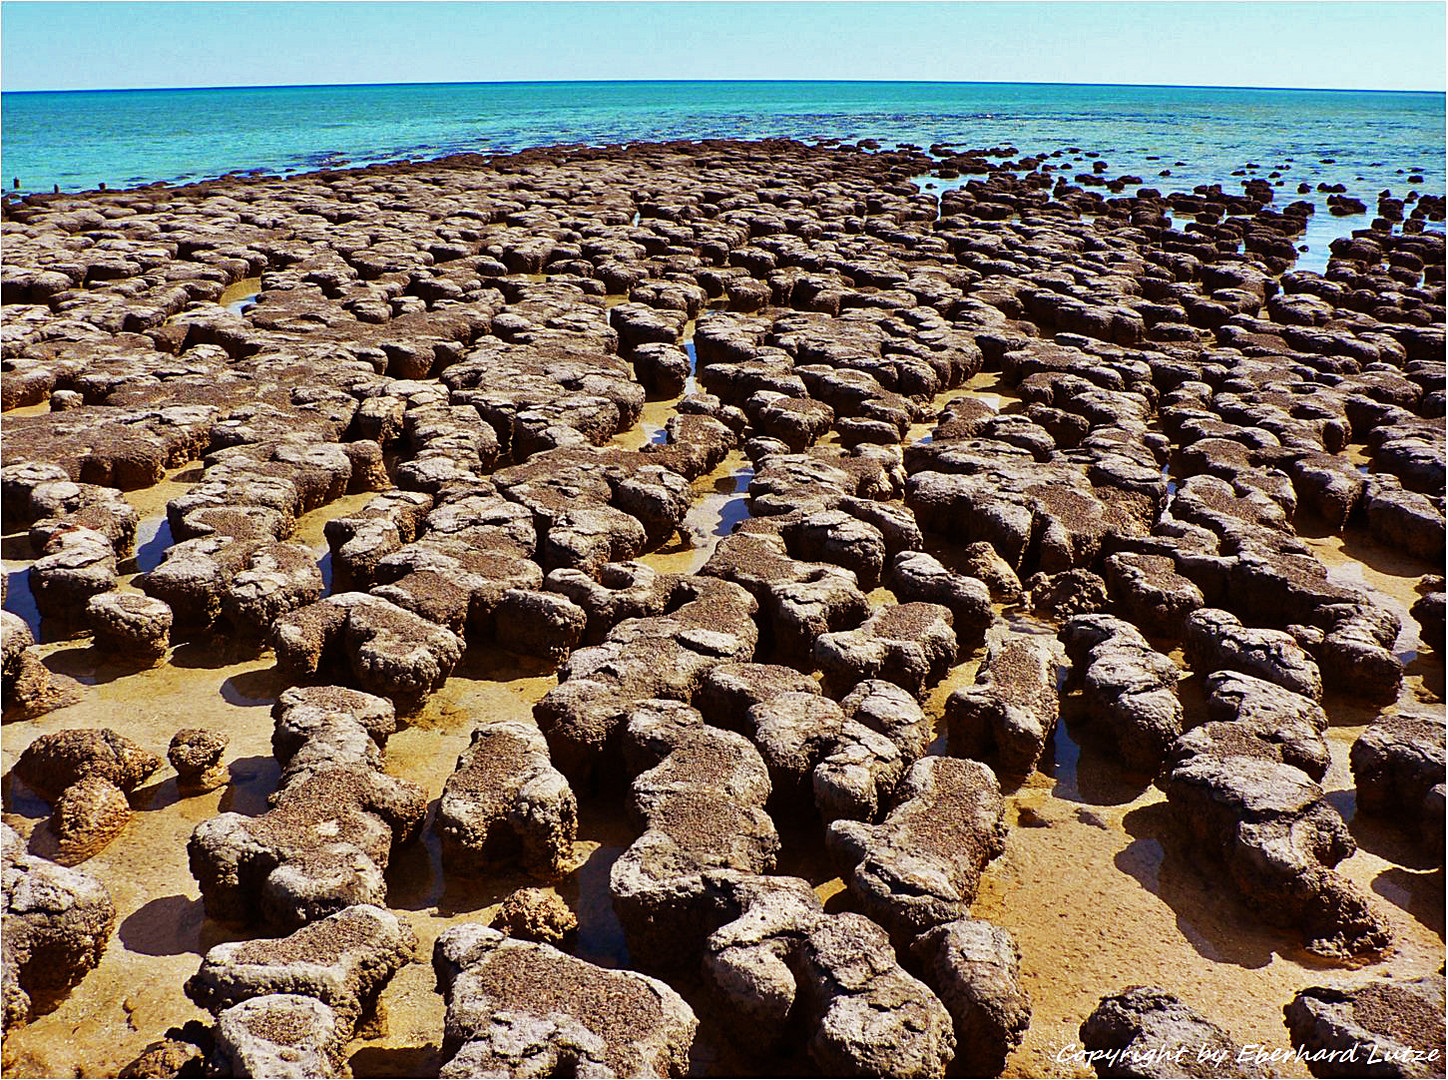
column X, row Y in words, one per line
column 468, row 339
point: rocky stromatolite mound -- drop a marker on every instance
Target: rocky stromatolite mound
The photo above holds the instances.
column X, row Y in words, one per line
column 133, row 627
column 917, row 576
column 1429, row 610
column 506, row 802
column 1387, row 1027
column 1010, row 712
column 56, row 926
column 1127, row 686
column 1278, row 837
column 1263, row 718
column 921, row 865
column 168, row 1058
column 75, row 564
column 705, row 623
column 1398, row 764
column 536, row 915
column 884, row 707
column 344, row 961
column 316, row 728
column 323, row 846
column 699, row 793
column 975, row 968
column 1150, row 592
column 85, row 774
column 1217, row 640
column 1148, row 1032
column 519, row 1008
column 334, row 822
column 909, row 644
column 196, row 755
column 54, row 762
column 778, row 955
column 867, row 1016
column 278, row 1035
column 26, row 682
column 385, row 649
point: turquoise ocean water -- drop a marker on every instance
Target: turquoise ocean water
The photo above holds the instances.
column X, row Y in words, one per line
column 1366, row 141
column 128, row 137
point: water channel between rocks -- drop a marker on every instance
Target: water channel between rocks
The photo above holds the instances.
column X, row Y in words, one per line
column 1096, row 890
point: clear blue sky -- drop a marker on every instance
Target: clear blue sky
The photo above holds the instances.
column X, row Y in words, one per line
column 65, row 46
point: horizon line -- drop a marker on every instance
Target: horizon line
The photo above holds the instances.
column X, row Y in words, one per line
column 666, row 82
